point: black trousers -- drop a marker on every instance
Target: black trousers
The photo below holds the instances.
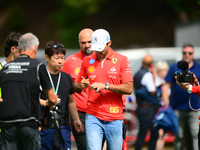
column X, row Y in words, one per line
column 80, row 137
column 145, row 116
column 20, row 138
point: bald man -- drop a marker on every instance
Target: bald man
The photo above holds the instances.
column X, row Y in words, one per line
column 146, row 109
column 72, row 66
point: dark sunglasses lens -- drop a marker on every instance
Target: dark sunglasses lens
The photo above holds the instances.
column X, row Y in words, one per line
column 184, row 53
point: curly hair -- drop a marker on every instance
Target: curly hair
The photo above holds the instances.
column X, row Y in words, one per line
column 11, row 40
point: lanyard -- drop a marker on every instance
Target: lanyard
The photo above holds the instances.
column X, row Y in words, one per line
column 55, row 91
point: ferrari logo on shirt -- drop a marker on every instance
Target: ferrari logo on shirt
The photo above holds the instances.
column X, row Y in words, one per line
column 114, row 60
column 77, row 70
column 91, row 69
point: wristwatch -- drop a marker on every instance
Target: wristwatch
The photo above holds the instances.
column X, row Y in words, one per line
column 107, row 85
column 190, row 89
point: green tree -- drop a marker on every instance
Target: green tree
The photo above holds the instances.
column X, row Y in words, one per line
column 191, row 7
column 69, row 15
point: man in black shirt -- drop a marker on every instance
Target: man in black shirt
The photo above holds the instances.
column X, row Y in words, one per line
column 20, row 108
column 63, row 88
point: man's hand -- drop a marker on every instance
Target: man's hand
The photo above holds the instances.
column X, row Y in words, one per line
column 97, row 86
column 84, row 83
column 195, row 82
column 46, row 102
column 78, row 87
column 78, row 125
column 184, row 86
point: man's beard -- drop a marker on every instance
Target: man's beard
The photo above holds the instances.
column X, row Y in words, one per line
column 88, row 52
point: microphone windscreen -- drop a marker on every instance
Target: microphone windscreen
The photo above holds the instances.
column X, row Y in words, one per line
column 182, row 65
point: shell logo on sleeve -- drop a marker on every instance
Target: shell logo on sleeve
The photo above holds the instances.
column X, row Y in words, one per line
column 91, row 69
column 77, row 70
column 114, row 60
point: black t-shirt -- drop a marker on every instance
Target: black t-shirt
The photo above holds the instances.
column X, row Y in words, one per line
column 20, row 81
column 64, row 90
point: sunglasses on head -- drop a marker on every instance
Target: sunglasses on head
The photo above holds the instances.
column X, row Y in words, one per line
column 190, row 53
column 57, row 45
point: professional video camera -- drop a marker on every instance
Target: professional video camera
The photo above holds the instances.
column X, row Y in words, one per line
column 51, row 118
column 183, row 76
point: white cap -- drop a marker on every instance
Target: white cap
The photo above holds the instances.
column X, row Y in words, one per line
column 100, row 38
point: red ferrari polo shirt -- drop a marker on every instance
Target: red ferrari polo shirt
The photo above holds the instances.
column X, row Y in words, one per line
column 115, row 69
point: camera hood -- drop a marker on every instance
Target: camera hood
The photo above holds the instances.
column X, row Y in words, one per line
column 182, row 65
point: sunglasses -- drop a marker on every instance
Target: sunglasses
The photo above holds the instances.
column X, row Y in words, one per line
column 57, row 45
column 190, row 53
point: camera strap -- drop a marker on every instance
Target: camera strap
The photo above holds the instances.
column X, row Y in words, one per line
column 190, row 104
column 57, row 124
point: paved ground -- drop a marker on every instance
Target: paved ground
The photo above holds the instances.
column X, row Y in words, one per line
column 167, row 147
column 73, row 146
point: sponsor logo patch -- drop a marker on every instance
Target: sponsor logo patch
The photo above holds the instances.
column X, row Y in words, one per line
column 113, row 69
column 91, row 61
column 77, row 70
column 91, row 69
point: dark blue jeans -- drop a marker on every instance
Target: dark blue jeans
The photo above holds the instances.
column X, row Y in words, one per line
column 49, row 141
column 145, row 116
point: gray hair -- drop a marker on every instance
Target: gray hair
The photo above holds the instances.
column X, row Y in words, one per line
column 28, row 41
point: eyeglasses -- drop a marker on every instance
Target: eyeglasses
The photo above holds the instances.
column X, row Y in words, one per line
column 57, row 45
column 190, row 53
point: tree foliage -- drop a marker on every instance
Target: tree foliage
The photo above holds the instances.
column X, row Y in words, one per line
column 69, row 15
column 64, row 17
column 191, row 7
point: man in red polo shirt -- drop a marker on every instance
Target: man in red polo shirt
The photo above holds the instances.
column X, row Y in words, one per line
column 108, row 74
column 72, row 66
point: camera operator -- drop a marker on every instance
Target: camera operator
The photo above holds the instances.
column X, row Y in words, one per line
column 58, row 134
column 179, row 100
column 192, row 87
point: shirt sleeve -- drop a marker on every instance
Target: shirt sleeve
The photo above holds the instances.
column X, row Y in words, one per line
column 71, row 91
column 44, row 77
column 196, row 90
column 126, row 74
column 147, row 80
